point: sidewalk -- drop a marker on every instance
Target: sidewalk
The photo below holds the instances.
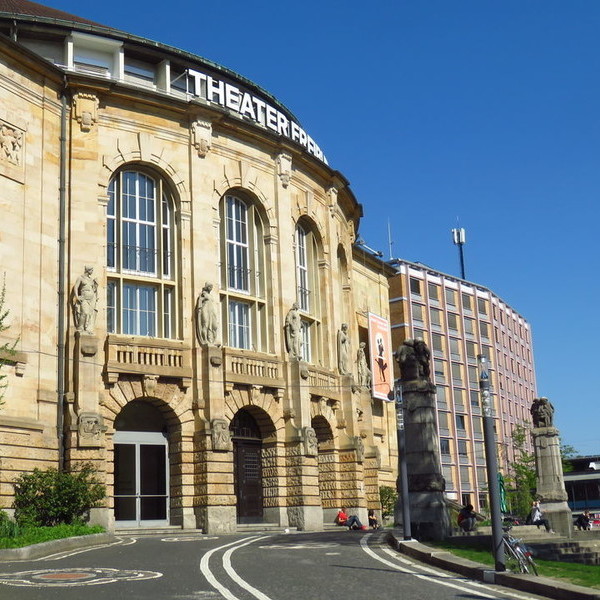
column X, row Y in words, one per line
column 542, row 586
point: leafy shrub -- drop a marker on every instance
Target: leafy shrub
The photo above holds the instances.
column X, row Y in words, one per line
column 47, row 498
column 388, row 497
column 8, row 527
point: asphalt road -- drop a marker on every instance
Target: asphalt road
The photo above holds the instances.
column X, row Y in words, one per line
column 338, row 565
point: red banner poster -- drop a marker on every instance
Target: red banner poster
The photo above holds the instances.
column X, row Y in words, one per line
column 380, row 349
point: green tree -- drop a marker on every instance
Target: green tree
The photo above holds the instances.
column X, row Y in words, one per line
column 7, row 349
column 521, row 479
column 388, row 498
column 567, row 452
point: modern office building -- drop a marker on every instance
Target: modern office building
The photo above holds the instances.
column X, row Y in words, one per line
column 183, row 288
column 460, row 319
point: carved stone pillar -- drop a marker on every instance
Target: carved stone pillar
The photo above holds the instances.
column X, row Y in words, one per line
column 550, row 482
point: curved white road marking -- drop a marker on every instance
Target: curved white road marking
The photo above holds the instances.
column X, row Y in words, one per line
column 365, row 547
column 241, row 582
column 224, row 591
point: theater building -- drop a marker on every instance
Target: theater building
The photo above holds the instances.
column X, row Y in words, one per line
column 460, row 319
column 183, row 287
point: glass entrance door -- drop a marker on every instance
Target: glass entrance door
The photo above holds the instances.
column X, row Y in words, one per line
column 141, row 479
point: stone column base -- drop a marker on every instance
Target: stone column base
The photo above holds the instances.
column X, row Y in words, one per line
column 560, row 517
column 104, row 517
column 306, row 518
column 216, row 519
column 278, row 515
column 429, row 519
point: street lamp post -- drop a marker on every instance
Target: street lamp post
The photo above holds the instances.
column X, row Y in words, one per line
column 402, row 471
column 491, row 462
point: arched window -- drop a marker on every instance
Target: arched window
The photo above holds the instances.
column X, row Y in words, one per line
column 308, row 297
column 140, row 256
column 243, row 274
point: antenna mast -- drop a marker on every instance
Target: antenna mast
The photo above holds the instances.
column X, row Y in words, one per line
column 459, row 238
column 390, row 243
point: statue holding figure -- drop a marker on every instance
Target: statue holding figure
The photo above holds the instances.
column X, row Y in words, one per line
column 364, row 373
column 542, row 413
column 343, row 343
column 85, row 300
column 293, row 332
column 423, row 357
column 207, row 322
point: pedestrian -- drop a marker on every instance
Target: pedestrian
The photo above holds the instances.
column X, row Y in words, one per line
column 583, row 521
column 466, row 518
column 351, row 522
column 536, row 516
column 373, row 522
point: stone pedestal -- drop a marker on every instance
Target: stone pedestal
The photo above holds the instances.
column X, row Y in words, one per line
column 428, row 512
column 550, row 482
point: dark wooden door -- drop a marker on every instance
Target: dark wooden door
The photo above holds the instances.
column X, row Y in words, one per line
column 248, row 480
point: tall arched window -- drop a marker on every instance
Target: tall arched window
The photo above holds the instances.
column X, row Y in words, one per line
column 140, row 256
column 308, row 297
column 243, row 274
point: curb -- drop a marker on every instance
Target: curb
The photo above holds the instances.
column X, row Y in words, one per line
column 55, row 546
column 542, row 586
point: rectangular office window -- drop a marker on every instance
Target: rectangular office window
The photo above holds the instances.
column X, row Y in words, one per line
column 477, row 428
column 415, row 286
column 455, row 348
column 461, row 428
column 467, row 302
column 139, row 310
column 482, row 306
column 447, row 473
column 436, row 318
column 484, row 331
column 469, row 327
column 452, row 322
column 417, row 312
column 439, row 370
column 450, row 297
column 462, row 448
column 443, row 423
column 441, row 394
column 473, row 377
column 471, row 351
column 445, row 447
column 437, row 344
column 459, row 400
column 433, row 292
column 456, row 374
column 474, row 396
column 465, row 477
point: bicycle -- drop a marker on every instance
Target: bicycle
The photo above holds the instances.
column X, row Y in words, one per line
column 518, row 558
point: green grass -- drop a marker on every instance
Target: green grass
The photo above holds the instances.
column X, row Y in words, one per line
column 578, row 574
column 37, row 535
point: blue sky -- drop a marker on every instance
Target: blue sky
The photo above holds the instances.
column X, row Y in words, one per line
column 485, row 112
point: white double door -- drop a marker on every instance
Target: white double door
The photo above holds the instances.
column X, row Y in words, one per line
column 141, row 479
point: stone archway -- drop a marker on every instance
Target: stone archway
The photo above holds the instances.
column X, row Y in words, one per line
column 141, row 467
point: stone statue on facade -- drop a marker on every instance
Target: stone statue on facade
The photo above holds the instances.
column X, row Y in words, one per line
column 343, row 343
column 90, row 427
column 85, row 300
column 414, row 359
column 207, row 320
column 311, row 443
column 293, row 332
column 364, row 373
column 542, row 413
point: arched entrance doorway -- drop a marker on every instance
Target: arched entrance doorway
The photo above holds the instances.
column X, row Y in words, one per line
column 141, row 467
column 247, row 467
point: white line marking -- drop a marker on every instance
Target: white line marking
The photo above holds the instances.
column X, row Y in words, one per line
column 232, row 573
column 365, row 547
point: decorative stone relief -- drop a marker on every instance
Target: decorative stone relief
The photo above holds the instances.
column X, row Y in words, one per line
column 11, row 144
column 542, row 412
column 91, row 429
column 332, row 192
column 309, row 439
column 221, row 436
column 201, row 131
column 86, row 110
column 149, row 383
column 343, row 342
column 293, row 332
column 284, row 168
column 289, row 414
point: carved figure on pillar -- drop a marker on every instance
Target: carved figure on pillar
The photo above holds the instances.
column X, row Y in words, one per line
column 311, row 443
column 85, row 300
column 343, row 342
column 90, row 428
column 293, row 332
column 221, row 436
column 542, row 413
column 207, row 321
column 364, row 373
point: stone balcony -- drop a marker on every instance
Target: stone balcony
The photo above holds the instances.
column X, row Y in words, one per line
column 253, row 368
column 147, row 356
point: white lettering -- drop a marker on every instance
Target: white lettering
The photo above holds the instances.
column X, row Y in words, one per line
column 215, row 87
column 303, row 137
column 283, row 124
column 271, row 118
column 197, row 78
column 295, row 132
column 246, row 107
column 260, row 110
column 232, row 97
